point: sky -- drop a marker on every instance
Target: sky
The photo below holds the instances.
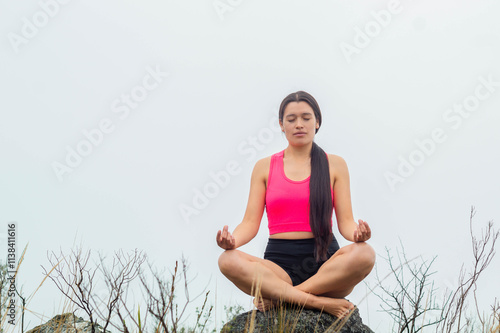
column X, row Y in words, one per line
column 136, row 125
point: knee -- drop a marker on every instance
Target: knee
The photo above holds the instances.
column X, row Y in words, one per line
column 227, row 261
column 365, row 257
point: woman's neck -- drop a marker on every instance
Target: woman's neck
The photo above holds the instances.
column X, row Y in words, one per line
column 302, row 153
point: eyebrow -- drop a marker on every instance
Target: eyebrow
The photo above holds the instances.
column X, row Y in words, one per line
column 303, row 113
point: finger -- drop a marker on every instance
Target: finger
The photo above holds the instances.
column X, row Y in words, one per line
column 224, row 232
column 361, row 234
column 229, row 236
column 356, row 235
column 363, row 229
column 218, row 236
column 368, row 230
column 362, row 226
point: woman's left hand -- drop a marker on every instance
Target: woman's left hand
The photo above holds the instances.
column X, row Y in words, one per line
column 362, row 232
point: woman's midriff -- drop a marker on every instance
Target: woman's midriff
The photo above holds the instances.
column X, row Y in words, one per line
column 293, row 235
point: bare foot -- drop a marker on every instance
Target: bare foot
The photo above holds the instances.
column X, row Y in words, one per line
column 338, row 307
column 264, row 304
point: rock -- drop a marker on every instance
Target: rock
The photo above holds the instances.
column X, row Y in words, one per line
column 66, row 323
column 290, row 319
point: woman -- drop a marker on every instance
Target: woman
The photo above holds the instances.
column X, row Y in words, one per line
column 299, row 187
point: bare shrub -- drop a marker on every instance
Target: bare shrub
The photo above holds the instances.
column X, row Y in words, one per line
column 454, row 311
column 76, row 278
column 413, row 296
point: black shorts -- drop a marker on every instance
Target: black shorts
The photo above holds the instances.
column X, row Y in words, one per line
column 296, row 256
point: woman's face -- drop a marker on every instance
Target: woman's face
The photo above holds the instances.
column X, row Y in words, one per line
column 299, row 123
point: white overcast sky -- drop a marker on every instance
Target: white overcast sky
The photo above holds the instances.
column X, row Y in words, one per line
column 389, row 76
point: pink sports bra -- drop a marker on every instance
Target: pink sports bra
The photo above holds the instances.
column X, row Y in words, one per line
column 287, row 200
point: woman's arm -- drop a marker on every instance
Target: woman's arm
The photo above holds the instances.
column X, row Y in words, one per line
column 351, row 230
column 250, row 224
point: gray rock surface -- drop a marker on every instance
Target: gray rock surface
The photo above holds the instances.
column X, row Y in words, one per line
column 66, row 323
column 289, row 319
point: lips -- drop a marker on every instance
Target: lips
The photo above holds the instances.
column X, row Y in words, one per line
column 299, row 133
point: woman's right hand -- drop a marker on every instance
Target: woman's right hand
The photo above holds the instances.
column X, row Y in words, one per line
column 225, row 240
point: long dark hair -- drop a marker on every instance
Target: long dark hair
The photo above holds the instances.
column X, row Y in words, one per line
column 320, row 196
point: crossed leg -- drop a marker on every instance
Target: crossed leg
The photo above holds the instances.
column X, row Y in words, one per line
column 324, row 290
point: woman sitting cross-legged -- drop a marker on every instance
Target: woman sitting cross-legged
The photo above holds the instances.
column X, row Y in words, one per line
column 299, row 187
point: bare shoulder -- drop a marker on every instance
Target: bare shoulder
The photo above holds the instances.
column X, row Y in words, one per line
column 336, row 160
column 262, row 164
column 261, row 168
column 338, row 166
